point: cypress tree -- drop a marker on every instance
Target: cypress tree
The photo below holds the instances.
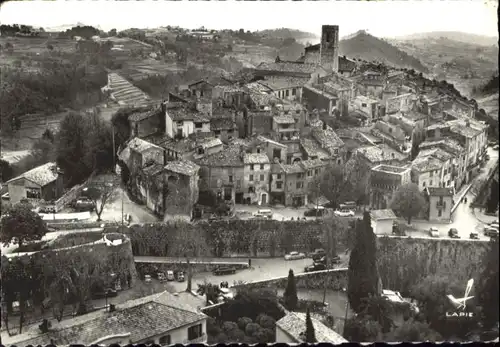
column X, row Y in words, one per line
column 488, row 292
column 310, row 334
column 290, row 294
column 362, row 275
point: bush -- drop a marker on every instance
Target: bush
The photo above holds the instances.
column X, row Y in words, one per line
column 243, row 322
column 252, row 328
column 265, row 321
column 31, row 247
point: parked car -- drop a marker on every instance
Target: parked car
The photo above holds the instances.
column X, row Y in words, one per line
column 180, row 276
column 294, row 256
column 47, row 209
column 315, row 267
column 453, row 233
column 170, row 275
column 84, row 204
column 147, row 278
column 266, row 213
column 433, row 232
column 315, row 212
column 474, row 236
column 258, row 215
column 224, row 270
column 318, row 254
column 344, row 213
column 495, row 147
column 107, row 293
column 161, row 276
column 491, row 232
column 494, row 225
column 323, row 260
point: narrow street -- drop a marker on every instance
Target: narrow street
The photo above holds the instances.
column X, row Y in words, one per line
column 465, row 220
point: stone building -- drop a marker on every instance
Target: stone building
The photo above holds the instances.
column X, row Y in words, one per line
column 440, row 202
column 385, row 180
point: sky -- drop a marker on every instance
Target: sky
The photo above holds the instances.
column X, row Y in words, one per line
column 379, row 18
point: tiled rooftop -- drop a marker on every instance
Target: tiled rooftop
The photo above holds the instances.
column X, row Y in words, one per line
column 312, row 163
column 313, row 149
column 229, row 156
column 449, row 145
column 284, row 119
column 265, row 139
column 41, row 175
column 221, row 123
column 465, row 131
column 390, row 168
column 255, row 158
column 153, row 169
column 139, row 318
column 184, row 113
column 294, row 323
column 287, row 67
column 257, row 88
column 337, row 85
column 139, row 116
column 327, row 139
column 209, row 142
column 380, row 153
column 436, row 153
column 346, row 64
column 283, row 82
column 292, row 168
column 263, row 99
column 140, row 146
column 185, row 145
column 321, row 92
column 184, row 167
column 366, row 99
column 382, row 214
column 426, row 164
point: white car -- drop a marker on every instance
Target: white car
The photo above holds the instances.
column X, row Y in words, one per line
column 433, row 232
column 294, row 256
column 225, row 294
column 344, row 213
column 494, row 225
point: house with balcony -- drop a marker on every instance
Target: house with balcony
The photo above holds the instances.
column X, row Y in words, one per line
column 440, row 202
column 458, row 171
column 285, row 87
column 223, row 173
column 368, row 107
column 42, row 183
column 182, row 121
column 385, row 180
column 256, row 171
column 126, row 323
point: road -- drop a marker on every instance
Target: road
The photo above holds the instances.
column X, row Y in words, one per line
column 279, row 213
column 465, row 220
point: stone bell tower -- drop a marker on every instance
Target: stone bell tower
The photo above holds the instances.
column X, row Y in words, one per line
column 329, row 48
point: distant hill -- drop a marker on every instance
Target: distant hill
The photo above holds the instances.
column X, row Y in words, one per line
column 285, row 33
column 362, row 45
column 65, row 27
column 472, row 39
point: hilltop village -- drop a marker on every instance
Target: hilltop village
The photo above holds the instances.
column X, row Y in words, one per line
column 176, row 220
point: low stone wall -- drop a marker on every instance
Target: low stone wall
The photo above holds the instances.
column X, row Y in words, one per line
column 336, row 279
column 69, row 196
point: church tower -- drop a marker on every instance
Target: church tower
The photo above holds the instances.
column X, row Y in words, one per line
column 329, row 48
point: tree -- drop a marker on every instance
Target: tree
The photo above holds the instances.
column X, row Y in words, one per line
column 50, row 47
column 290, row 294
column 101, row 193
column 112, row 32
column 408, row 201
column 6, row 171
column 20, row 225
column 379, row 309
column 492, row 202
column 332, row 184
column 362, row 329
column 488, row 292
column 210, row 291
column 310, row 334
column 363, row 279
column 413, row 331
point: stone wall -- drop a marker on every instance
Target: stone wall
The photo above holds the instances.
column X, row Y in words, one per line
column 336, row 279
column 403, row 262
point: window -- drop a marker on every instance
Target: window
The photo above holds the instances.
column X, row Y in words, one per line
column 258, row 150
column 287, row 93
column 300, row 185
column 339, row 161
column 432, row 173
column 251, row 190
column 430, row 183
column 440, row 213
column 250, row 178
column 251, row 167
column 445, row 171
column 278, row 176
column 309, row 173
column 279, row 185
column 230, row 178
column 448, row 183
column 262, row 177
column 262, row 166
column 217, row 132
column 316, row 171
column 180, row 123
column 294, row 91
column 201, row 92
column 33, row 193
column 201, row 151
column 194, row 332
column 363, row 104
column 165, row 340
column 198, row 125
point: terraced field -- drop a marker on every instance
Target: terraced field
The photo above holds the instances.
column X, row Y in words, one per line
column 125, row 93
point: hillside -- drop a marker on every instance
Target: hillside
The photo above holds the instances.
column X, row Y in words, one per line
column 454, row 36
column 465, row 65
column 285, row 33
column 367, row 47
